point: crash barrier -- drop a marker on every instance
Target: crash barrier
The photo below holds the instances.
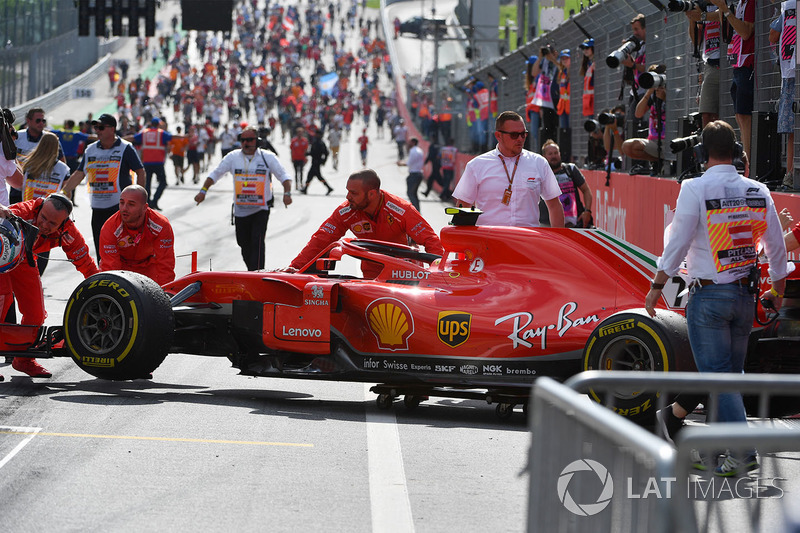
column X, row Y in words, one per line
column 763, row 503
column 573, row 437
column 64, row 93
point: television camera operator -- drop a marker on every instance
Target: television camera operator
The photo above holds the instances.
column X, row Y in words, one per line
column 654, row 100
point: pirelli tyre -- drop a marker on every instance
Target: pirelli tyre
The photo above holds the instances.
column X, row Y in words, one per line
column 633, row 341
column 118, row 325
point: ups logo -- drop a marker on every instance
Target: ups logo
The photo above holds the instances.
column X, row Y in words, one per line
column 454, row 327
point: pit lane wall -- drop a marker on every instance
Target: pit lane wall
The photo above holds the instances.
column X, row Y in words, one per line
column 634, row 207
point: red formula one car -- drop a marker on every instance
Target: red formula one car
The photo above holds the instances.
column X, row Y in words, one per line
column 501, row 307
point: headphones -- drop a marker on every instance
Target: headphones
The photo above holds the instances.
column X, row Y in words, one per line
column 701, row 153
column 62, row 201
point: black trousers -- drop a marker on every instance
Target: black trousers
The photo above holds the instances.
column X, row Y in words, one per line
column 99, row 217
column 250, row 234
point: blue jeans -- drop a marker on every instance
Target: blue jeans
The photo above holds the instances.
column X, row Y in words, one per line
column 720, row 318
column 412, row 183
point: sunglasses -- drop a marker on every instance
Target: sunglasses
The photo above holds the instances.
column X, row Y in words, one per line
column 40, row 121
column 101, row 128
column 248, row 139
column 514, row 134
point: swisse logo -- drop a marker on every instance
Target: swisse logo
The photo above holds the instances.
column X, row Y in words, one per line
column 454, row 327
column 469, row 370
column 301, row 332
column 616, row 327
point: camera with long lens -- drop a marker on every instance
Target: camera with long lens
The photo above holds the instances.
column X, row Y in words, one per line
column 607, row 119
column 684, row 143
column 648, row 80
column 547, row 49
column 632, row 44
column 680, row 6
column 591, row 125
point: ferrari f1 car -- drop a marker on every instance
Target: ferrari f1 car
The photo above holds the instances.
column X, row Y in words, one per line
column 502, row 306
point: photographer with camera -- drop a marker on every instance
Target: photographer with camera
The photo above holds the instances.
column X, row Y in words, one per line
column 741, row 51
column 604, row 132
column 8, row 154
column 546, row 68
column 654, row 99
column 705, row 32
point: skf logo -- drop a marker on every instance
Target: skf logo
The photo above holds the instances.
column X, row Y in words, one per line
column 616, row 327
column 454, row 327
column 391, row 322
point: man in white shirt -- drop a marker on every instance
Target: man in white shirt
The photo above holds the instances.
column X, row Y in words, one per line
column 416, row 160
column 507, row 182
column 721, row 219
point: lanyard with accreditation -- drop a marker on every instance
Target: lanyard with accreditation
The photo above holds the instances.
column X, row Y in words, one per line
column 507, row 193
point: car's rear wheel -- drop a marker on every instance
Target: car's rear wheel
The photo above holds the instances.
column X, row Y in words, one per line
column 632, row 341
column 118, row 325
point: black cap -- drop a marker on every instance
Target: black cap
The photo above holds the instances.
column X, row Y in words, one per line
column 106, row 120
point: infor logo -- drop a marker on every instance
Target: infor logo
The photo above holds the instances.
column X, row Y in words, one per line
column 585, row 509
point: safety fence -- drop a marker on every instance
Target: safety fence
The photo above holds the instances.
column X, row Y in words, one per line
column 668, row 43
column 627, row 479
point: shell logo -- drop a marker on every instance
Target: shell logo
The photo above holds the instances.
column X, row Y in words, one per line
column 391, row 322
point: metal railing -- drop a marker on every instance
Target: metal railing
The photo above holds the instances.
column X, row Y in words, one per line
column 577, row 446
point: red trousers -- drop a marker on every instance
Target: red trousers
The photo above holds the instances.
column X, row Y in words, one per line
column 24, row 283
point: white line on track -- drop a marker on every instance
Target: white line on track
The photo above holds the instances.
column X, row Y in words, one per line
column 29, row 434
column 391, row 508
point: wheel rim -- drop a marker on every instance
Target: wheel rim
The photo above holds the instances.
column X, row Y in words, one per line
column 630, row 354
column 101, row 324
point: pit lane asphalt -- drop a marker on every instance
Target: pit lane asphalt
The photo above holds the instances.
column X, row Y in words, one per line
column 202, row 448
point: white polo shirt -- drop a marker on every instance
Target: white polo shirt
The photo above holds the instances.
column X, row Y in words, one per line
column 485, row 181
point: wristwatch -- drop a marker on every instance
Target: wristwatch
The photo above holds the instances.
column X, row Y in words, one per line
column 703, row 16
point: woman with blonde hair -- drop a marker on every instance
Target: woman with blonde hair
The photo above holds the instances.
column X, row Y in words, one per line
column 43, row 174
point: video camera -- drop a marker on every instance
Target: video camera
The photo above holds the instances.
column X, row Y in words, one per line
column 680, row 6
column 632, row 44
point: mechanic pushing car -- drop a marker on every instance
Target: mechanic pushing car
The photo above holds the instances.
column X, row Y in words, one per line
column 51, row 216
column 370, row 213
column 138, row 238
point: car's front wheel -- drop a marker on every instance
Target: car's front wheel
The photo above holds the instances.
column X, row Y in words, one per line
column 118, row 325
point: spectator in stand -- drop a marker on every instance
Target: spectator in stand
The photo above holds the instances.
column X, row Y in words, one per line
column 783, row 32
column 299, row 148
column 107, row 163
column 363, row 141
column 741, row 49
column 51, row 216
column 138, row 239
column 489, row 183
column 177, row 152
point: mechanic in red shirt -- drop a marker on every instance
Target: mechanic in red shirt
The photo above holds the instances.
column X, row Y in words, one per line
column 138, row 238
column 51, row 216
column 370, row 213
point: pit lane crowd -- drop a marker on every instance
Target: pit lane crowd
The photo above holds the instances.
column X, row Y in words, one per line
column 275, row 69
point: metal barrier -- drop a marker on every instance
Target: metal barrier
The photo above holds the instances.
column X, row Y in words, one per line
column 573, row 436
column 652, row 487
